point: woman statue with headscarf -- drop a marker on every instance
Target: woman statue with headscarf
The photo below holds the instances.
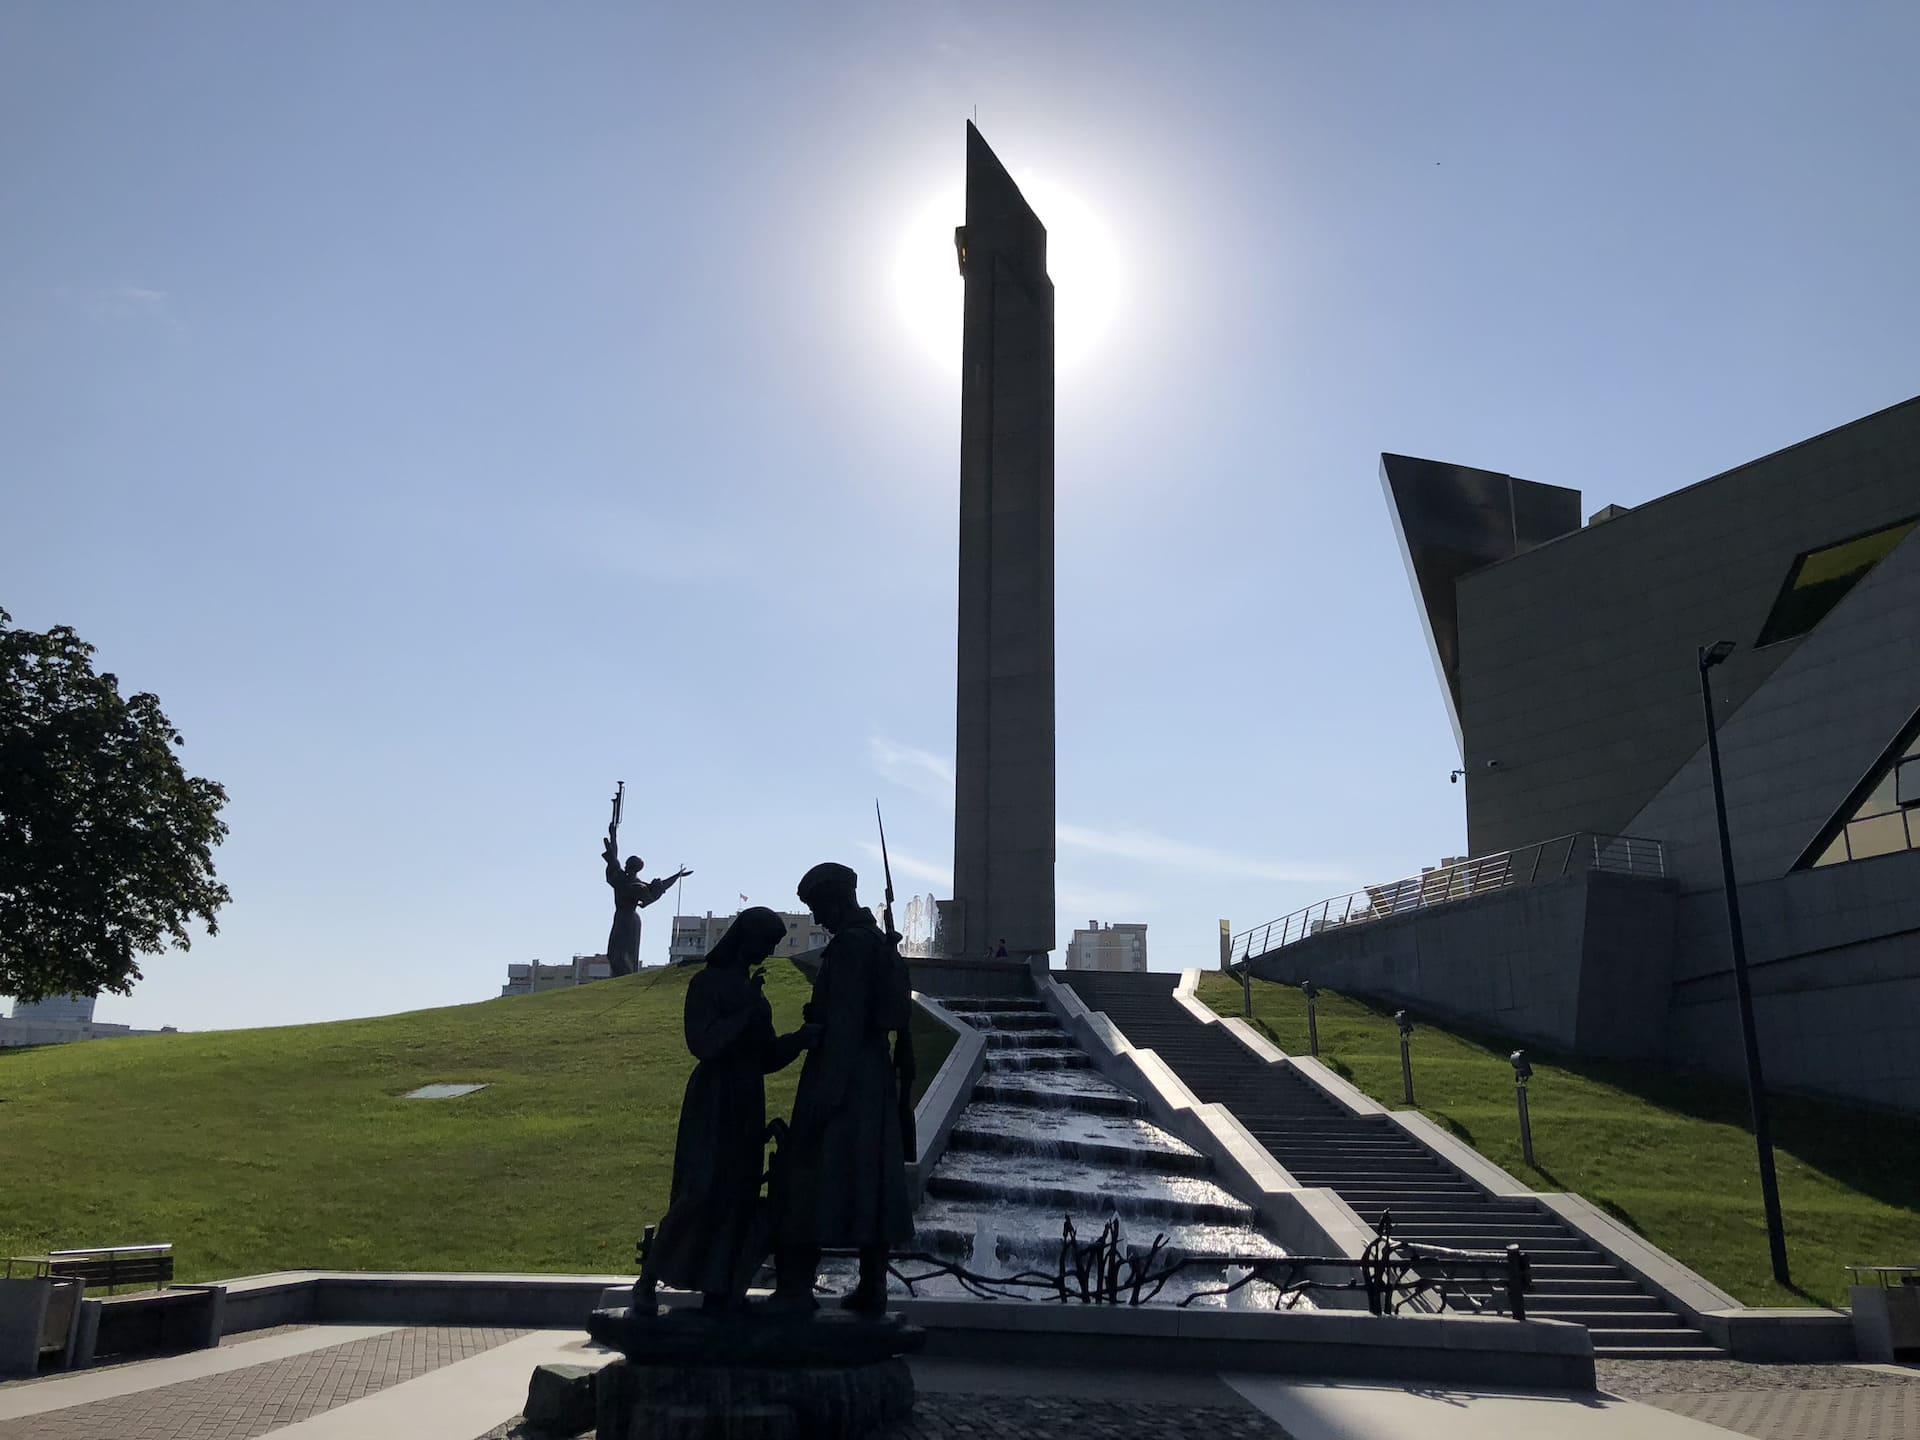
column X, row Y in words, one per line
column 712, row 1238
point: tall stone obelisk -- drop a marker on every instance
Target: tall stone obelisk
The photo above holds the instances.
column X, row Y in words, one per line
column 1003, row 820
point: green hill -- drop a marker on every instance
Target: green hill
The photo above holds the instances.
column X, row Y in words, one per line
column 255, row 1150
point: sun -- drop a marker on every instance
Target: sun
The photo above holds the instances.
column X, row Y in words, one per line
column 1081, row 259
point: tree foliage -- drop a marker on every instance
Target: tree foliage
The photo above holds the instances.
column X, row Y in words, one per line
column 106, row 843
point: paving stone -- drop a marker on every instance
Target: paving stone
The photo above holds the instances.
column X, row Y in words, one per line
column 1644, row 1379
column 992, row 1417
column 1854, row 1412
column 242, row 1404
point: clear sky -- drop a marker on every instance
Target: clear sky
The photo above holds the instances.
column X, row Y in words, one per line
column 450, row 409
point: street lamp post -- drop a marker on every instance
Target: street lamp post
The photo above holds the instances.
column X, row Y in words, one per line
column 1405, row 1022
column 1710, row 656
column 1312, row 992
column 1246, row 985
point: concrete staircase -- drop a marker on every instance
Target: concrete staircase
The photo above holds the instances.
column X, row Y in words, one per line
column 1375, row 1167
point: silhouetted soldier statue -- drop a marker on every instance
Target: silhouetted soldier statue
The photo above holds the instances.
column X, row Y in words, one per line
column 630, row 895
column 714, row 1237
column 844, row 1158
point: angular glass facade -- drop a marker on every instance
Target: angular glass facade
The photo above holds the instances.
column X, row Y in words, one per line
column 1820, row 580
column 1887, row 818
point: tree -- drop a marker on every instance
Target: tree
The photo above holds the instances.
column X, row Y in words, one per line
column 106, row 843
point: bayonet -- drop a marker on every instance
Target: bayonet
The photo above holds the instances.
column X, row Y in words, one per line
column 904, row 1068
column 885, row 865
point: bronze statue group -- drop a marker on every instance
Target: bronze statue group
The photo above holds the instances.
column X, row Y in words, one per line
column 839, row 1178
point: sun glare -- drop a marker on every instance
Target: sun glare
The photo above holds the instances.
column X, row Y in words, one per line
column 1081, row 259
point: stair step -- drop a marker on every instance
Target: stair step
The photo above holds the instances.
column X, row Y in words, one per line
column 1667, row 1340
column 1344, row 1179
column 1547, row 1272
column 1351, row 1167
column 1416, row 1212
column 1628, row 1302
column 1610, row 1320
column 1660, row 1352
column 1535, row 1249
column 1412, row 1229
column 1034, row 1098
column 1028, row 1039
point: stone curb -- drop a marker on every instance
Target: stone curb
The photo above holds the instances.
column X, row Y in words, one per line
column 940, row 1106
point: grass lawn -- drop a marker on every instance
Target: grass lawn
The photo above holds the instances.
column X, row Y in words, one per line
column 255, row 1150
column 1665, row 1151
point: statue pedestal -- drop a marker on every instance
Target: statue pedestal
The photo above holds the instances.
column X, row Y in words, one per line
column 692, row 1375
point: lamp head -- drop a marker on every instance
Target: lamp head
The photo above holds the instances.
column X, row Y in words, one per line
column 1712, row 655
column 1309, row 989
column 1522, row 1071
column 1404, row 1021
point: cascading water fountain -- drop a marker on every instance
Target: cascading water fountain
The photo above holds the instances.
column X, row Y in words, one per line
column 1045, row 1138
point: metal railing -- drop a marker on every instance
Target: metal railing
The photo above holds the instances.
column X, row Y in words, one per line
column 1530, row 864
column 1395, row 1277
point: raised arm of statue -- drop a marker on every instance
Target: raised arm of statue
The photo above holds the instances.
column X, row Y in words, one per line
column 611, row 854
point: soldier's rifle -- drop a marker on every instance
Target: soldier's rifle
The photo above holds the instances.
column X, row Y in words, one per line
column 904, row 1069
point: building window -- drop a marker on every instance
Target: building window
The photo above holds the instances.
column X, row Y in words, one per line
column 1820, row 580
column 1882, row 816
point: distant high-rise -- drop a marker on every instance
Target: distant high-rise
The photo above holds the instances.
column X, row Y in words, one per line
column 1108, row 947
column 695, row 935
column 1003, row 813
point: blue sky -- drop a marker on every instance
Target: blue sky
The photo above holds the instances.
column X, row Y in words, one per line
column 450, row 409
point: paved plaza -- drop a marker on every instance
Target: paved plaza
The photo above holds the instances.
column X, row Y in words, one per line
column 363, row 1382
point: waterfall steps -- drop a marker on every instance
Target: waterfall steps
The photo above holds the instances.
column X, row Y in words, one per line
column 1045, row 1137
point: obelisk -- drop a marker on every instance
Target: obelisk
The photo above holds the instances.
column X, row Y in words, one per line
column 1003, row 819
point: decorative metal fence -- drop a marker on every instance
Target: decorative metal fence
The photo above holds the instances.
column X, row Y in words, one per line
column 1529, row 865
column 1395, row 1276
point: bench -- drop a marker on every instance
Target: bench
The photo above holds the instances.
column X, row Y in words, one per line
column 148, row 1266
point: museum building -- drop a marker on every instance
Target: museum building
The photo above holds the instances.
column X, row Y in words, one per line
column 1592, row 917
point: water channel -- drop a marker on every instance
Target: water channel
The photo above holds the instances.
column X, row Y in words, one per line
column 1044, row 1137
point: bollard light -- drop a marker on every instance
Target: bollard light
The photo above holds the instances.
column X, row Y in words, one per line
column 1405, row 1022
column 1522, row 1073
column 1312, row 992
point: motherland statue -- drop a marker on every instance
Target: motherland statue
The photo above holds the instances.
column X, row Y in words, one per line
column 631, row 894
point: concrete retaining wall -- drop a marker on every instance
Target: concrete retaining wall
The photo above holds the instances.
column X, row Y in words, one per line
column 1581, row 963
column 1447, row 1349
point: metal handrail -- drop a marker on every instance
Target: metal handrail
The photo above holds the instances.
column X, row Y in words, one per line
column 1528, row 865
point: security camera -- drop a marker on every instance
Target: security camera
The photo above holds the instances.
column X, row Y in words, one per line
column 1493, row 764
column 1453, row 776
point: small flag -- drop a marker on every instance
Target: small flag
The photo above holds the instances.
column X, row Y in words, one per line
column 743, row 899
